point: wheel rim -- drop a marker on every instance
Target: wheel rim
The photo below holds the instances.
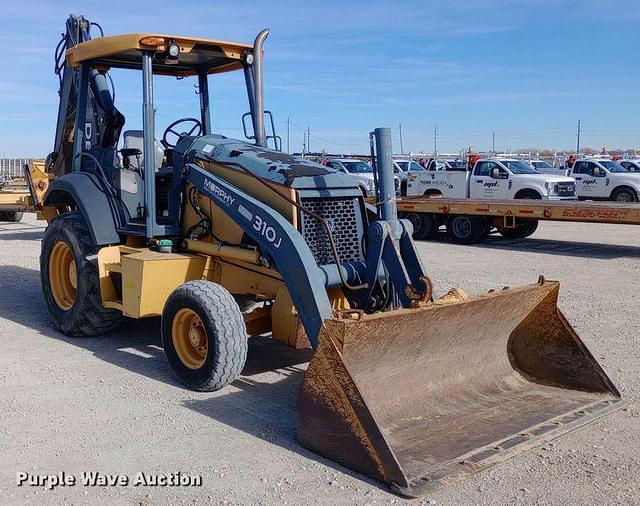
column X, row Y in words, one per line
column 189, row 338
column 623, row 197
column 63, row 277
column 462, row 227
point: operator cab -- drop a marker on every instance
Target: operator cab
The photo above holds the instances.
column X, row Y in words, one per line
column 143, row 183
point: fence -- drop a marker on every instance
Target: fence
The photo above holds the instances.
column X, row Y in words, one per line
column 12, row 167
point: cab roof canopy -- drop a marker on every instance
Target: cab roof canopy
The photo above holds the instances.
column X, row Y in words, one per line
column 125, row 51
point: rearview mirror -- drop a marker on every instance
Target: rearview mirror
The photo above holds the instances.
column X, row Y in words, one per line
column 598, row 172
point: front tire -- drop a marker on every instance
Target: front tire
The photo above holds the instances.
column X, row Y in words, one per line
column 69, row 278
column 204, row 335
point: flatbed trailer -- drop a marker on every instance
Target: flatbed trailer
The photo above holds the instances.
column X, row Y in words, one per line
column 468, row 221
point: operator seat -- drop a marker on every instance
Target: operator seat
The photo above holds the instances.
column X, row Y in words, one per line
column 133, row 151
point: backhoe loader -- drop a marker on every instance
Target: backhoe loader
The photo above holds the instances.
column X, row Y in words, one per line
column 226, row 239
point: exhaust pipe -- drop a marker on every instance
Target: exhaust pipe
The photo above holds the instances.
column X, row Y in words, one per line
column 258, row 76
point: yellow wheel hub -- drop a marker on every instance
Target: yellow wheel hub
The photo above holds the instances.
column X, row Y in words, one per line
column 189, row 338
column 63, row 277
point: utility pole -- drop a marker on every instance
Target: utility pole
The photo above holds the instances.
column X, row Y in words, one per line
column 435, row 140
column 493, row 143
column 308, row 140
column 401, row 148
column 288, row 151
column 578, row 143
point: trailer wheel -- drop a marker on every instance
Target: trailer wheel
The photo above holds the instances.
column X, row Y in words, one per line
column 424, row 225
column 204, row 335
column 523, row 228
column 464, row 229
column 69, row 278
column 12, row 216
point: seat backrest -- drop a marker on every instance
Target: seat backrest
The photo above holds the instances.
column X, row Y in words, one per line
column 134, row 139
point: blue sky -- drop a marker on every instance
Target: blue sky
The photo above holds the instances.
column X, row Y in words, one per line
column 526, row 70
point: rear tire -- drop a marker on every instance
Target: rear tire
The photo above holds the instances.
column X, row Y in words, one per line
column 624, row 195
column 204, row 335
column 69, row 278
column 523, row 228
column 465, row 229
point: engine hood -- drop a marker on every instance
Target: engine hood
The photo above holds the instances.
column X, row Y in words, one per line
column 275, row 166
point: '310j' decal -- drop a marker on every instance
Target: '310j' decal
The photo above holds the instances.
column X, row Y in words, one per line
column 267, row 231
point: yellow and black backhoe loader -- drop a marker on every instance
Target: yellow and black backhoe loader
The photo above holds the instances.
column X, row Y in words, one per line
column 198, row 228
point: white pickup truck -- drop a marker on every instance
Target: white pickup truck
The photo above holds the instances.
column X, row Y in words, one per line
column 631, row 164
column 361, row 171
column 492, row 178
column 604, row 179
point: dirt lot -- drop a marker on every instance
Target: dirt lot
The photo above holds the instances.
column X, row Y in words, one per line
column 111, row 405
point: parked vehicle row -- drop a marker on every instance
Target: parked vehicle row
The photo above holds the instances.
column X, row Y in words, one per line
column 499, row 178
column 491, row 178
column 510, row 178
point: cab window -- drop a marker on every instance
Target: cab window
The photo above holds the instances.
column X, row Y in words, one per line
column 581, row 168
column 484, row 168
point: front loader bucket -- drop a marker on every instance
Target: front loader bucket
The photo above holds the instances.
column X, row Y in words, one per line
column 417, row 397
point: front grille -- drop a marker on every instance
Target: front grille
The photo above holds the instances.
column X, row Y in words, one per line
column 345, row 221
column 566, row 189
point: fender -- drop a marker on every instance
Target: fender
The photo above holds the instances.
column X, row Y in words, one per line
column 102, row 214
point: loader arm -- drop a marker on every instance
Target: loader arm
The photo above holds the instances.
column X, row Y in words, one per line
column 276, row 238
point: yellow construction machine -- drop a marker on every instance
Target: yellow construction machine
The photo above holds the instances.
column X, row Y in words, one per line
column 225, row 239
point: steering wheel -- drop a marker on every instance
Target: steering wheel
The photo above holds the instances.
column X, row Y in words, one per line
column 196, row 129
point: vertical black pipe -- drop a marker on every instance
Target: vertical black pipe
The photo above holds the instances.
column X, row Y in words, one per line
column 203, row 90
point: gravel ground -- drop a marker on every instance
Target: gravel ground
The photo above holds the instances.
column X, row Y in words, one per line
column 111, row 405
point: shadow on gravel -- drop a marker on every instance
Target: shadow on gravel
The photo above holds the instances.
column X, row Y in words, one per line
column 554, row 247
column 265, row 406
column 136, row 345
column 21, row 236
column 261, row 402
